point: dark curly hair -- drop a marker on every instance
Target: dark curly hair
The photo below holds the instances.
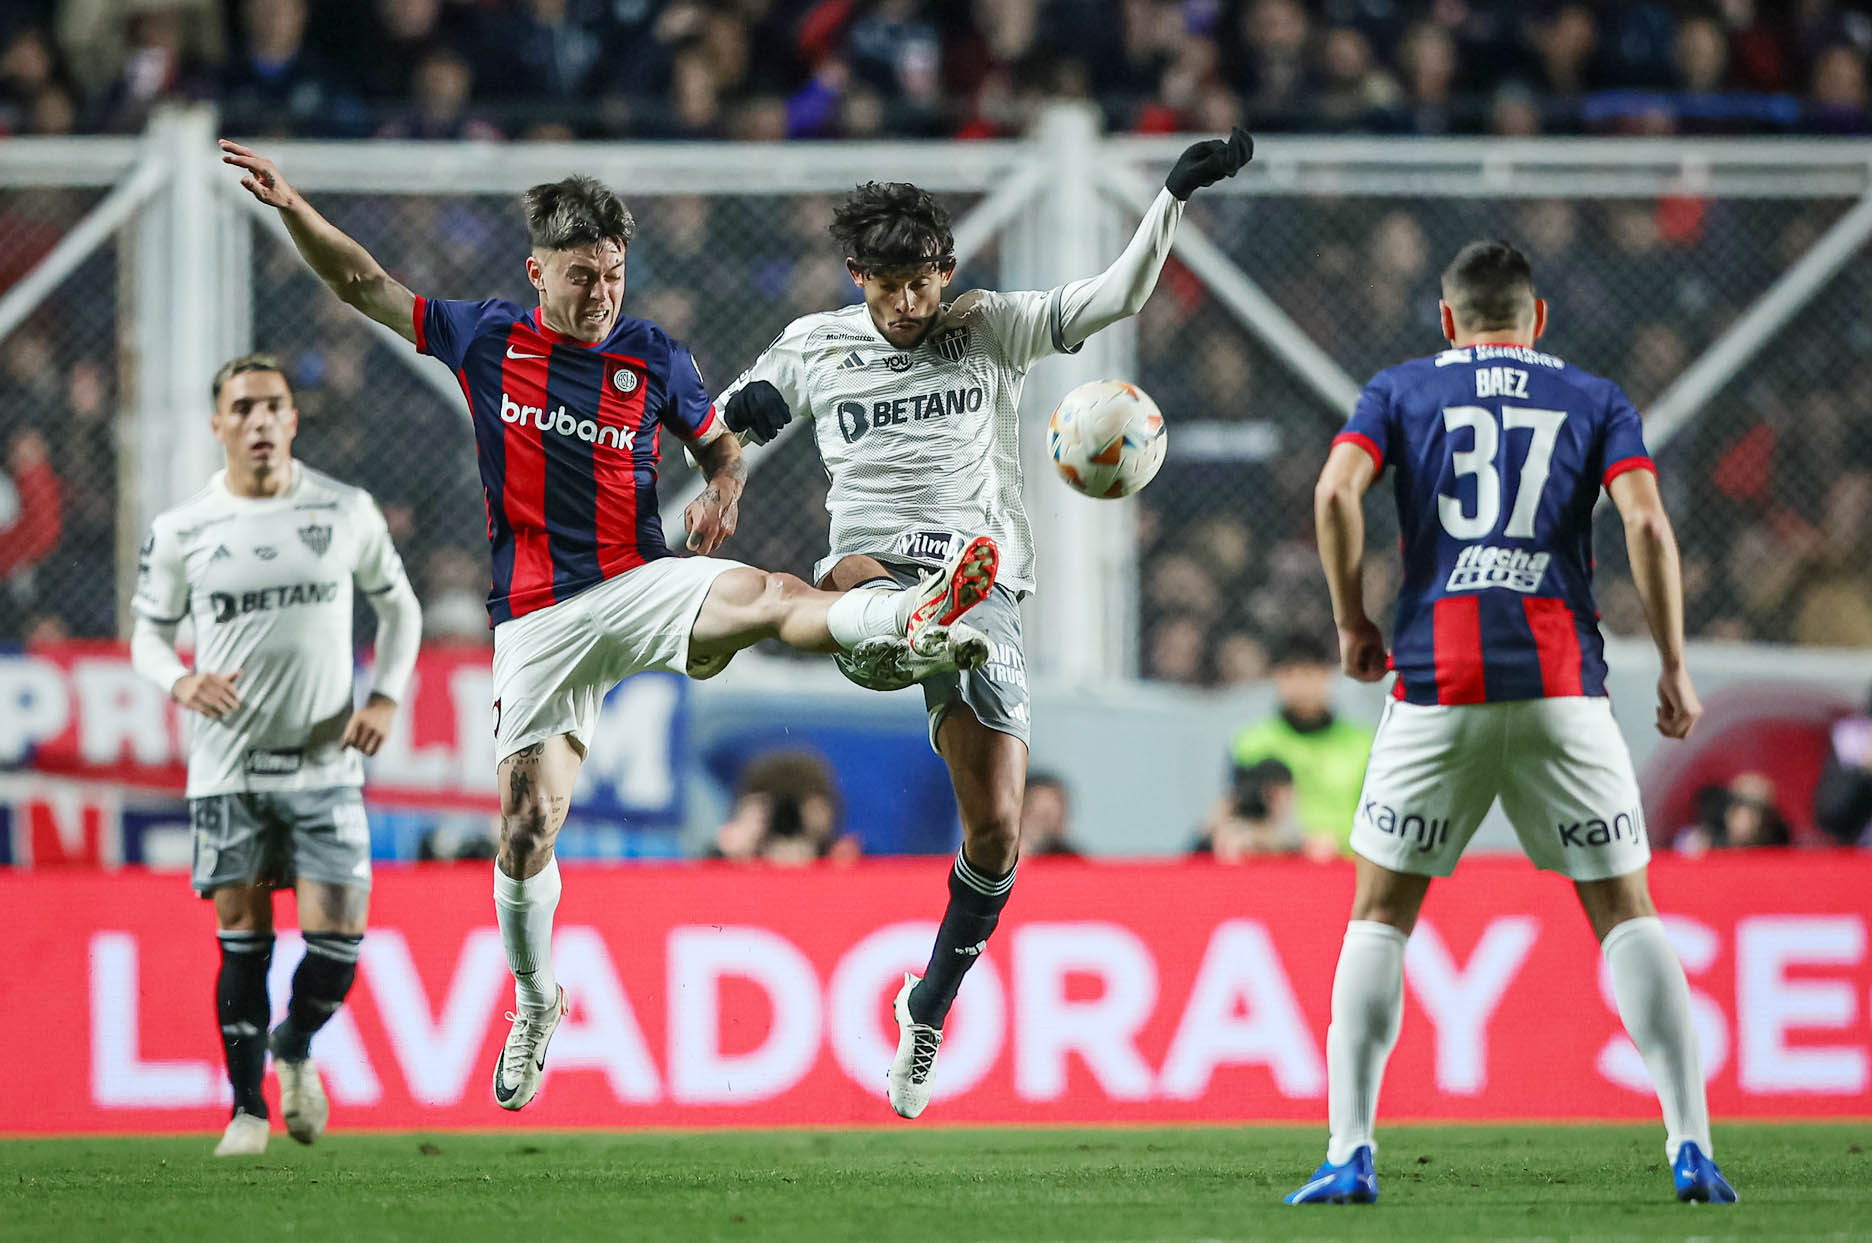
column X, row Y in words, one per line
column 578, row 211
column 893, row 226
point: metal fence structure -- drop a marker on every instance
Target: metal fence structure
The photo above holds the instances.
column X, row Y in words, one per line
column 1723, row 283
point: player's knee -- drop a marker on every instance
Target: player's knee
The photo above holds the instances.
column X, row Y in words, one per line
column 779, row 596
column 992, row 836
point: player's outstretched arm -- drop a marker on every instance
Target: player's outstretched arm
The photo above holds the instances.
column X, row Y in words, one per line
column 351, row 271
column 1658, row 575
column 711, row 517
column 1339, row 523
column 1122, row 289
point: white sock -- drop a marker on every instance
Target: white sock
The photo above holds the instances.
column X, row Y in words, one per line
column 863, row 614
column 524, row 909
column 1367, row 1006
column 1654, row 1002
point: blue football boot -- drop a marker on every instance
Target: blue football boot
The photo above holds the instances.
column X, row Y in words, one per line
column 1356, row 1183
column 1697, row 1178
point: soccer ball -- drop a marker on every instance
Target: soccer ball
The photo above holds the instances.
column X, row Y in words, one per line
column 1107, row 438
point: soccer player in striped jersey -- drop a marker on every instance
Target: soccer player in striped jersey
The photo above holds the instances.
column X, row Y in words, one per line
column 915, row 406
column 569, row 400
column 1498, row 453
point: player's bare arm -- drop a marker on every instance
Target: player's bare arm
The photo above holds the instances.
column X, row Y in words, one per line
column 351, row 271
column 369, row 726
column 1339, row 522
column 1658, row 575
column 211, row 694
column 711, row 518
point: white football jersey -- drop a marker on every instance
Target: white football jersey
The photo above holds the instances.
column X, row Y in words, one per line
column 922, row 440
column 268, row 582
column 924, row 443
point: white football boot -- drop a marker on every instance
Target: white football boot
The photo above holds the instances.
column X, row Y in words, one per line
column 944, row 595
column 246, row 1136
column 888, row 663
column 915, row 1064
column 522, row 1061
column 303, row 1103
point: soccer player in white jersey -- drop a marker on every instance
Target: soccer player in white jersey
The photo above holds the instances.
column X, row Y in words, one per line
column 1498, row 453
column 568, row 399
column 915, row 405
column 263, row 561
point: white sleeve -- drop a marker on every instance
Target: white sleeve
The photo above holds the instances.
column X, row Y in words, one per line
column 162, row 590
column 1057, row 321
column 783, row 365
column 379, row 575
column 399, row 637
column 153, row 652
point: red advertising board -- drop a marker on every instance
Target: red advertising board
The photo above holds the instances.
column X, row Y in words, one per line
column 710, row 996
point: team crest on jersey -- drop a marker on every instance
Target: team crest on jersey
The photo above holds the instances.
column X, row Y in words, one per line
column 624, row 380
column 953, row 345
column 316, row 537
column 899, row 362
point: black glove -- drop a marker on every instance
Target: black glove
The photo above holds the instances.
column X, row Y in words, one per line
column 759, row 410
column 1209, row 162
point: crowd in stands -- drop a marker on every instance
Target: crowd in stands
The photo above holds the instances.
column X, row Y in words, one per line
column 773, row 69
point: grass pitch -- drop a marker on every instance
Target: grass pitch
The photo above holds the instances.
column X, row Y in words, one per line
column 916, row 1184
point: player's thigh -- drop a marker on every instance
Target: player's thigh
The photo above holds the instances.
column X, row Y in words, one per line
column 331, row 860
column 988, row 768
column 1571, row 793
column 855, row 571
column 996, row 694
column 243, row 908
column 1610, row 902
column 1429, row 782
column 236, row 844
column 675, row 615
column 1383, row 895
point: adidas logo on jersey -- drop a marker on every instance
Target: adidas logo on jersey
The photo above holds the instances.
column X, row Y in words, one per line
column 565, row 423
column 853, row 361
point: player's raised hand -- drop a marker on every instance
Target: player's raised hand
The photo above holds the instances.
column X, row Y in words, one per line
column 1208, row 162
column 1678, row 708
column 211, row 694
column 1362, row 651
column 370, row 725
column 711, row 519
column 262, row 178
column 757, row 412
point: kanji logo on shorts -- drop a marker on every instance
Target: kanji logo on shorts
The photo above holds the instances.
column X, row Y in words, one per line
column 1426, row 832
column 1626, row 826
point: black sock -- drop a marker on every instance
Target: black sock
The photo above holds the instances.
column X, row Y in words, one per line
column 975, row 902
column 319, row 987
column 241, row 1001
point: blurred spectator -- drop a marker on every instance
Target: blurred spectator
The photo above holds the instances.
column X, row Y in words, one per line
column 133, row 54
column 1842, row 805
column 1737, row 816
column 1255, row 818
column 1324, row 755
column 786, row 812
column 30, row 517
column 1046, row 811
column 276, row 84
column 438, row 105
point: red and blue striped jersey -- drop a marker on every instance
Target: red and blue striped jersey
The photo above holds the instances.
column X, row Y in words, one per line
column 567, row 438
column 1497, row 454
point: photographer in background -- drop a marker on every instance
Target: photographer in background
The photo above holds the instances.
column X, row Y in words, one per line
column 1255, row 818
column 1324, row 756
column 786, row 812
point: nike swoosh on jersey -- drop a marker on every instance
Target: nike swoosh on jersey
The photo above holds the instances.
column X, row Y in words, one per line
column 513, row 353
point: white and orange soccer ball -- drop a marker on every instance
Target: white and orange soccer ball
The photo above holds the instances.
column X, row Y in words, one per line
column 1107, row 438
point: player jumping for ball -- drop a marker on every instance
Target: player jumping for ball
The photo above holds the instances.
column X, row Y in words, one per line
column 568, row 399
column 915, row 407
column 1499, row 452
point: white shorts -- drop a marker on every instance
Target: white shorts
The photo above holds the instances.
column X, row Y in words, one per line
column 1559, row 766
column 554, row 666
